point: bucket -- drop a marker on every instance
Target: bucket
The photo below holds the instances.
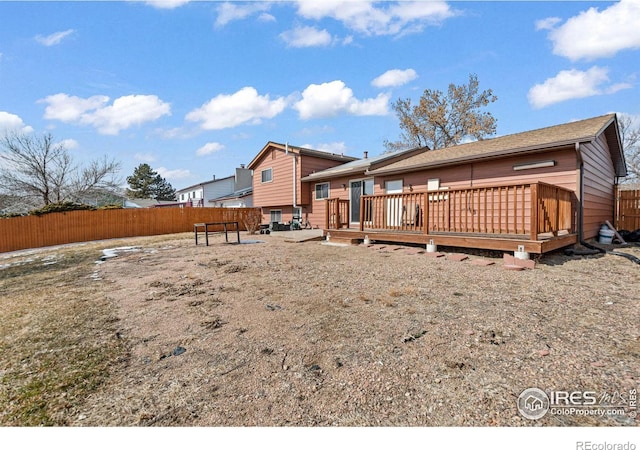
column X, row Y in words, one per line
column 606, row 236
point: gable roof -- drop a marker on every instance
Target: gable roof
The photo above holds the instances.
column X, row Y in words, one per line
column 300, row 151
column 542, row 139
column 204, row 183
column 236, row 194
column 360, row 166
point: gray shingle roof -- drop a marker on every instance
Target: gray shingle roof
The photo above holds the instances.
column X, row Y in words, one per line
column 528, row 141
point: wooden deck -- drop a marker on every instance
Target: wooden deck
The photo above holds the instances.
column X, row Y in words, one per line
column 538, row 216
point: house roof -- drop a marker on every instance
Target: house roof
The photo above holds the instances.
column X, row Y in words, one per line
column 237, row 194
column 204, row 183
column 360, row 165
column 300, row 151
column 542, row 139
column 147, row 203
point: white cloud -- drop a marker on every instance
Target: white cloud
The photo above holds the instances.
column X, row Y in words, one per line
column 599, row 34
column 55, row 38
column 306, row 37
column 166, row 4
column 547, row 24
column 10, row 123
column 70, row 144
column 125, row 111
column 173, row 174
column 228, row 111
column 209, row 148
column 331, row 147
column 333, row 98
column 144, row 157
column 228, row 11
column 394, row 77
column 365, row 18
column 572, row 84
column 266, row 17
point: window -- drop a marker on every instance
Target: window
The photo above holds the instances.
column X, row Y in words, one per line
column 276, row 215
column 393, row 186
column 322, row 191
column 267, row 176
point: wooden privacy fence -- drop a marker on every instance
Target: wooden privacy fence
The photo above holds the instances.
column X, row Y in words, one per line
column 627, row 210
column 18, row 233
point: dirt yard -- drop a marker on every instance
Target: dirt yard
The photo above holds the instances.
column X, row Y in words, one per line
column 274, row 333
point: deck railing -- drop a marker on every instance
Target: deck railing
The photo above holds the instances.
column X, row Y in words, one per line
column 337, row 214
column 493, row 210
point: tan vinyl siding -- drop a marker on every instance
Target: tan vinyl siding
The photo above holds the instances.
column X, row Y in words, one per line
column 599, row 179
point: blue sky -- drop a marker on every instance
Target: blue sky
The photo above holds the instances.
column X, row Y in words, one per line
column 198, row 88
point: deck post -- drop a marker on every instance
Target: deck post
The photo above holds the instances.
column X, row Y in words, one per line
column 327, row 212
column 425, row 213
column 362, row 206
column 557, row 224
column 533, row 220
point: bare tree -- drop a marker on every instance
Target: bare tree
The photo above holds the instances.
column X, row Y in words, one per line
column 630, row 135
column 41, row 171
column 441, row 120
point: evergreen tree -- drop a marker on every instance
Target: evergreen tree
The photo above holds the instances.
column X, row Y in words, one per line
column 147, row 183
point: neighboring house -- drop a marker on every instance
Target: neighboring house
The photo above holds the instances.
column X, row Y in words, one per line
column 204, row 194
column 543, row 189
column 238, row 199
column 277, row 186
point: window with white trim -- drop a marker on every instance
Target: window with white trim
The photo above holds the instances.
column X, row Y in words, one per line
column 266, row 176
column 275, row 215
column 322, row 191
column 393, row 186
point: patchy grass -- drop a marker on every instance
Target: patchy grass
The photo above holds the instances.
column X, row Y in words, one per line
column 58, row 337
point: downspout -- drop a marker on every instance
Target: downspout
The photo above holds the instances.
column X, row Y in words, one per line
column 580, row 193
column 295, row 189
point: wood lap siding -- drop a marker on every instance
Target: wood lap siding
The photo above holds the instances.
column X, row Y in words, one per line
column 279, row 191
column 599, row 178
column 317, row 214
column 496, row 172
column 309, row 165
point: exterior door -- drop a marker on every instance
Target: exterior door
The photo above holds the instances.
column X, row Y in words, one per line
column 358, row 188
